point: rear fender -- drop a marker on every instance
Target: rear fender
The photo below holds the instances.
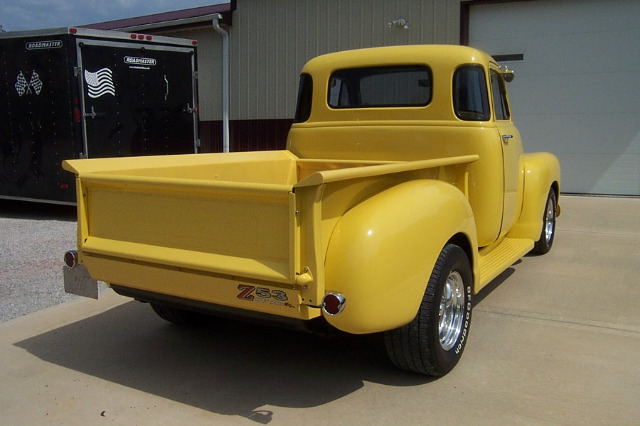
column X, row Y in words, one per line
column 541, row 173
column 382, row 251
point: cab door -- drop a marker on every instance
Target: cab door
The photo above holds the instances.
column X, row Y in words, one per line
column 511, row 151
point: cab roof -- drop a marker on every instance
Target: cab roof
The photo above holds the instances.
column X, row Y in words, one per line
column 443, row 55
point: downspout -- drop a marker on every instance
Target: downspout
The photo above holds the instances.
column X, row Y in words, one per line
column 225, row 81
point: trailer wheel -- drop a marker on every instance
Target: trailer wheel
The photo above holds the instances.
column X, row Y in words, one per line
column 177, row 316
column 543, row 245
column 433, row 342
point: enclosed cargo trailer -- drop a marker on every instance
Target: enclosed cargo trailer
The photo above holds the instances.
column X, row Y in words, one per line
column 80, row 93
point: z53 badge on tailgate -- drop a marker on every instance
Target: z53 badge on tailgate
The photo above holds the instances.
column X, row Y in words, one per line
column 263, row 295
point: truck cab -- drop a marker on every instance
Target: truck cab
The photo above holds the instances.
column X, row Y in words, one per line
column 442, row 101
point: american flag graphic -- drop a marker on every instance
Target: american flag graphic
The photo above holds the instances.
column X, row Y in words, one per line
column 99, row 83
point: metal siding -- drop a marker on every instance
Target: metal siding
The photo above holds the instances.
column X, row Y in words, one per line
column 272, row 39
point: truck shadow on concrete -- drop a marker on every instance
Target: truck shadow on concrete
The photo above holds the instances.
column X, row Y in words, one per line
column 494, row 284
column 225, row 367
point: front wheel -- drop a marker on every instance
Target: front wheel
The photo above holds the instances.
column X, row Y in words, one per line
column 544, row 243
column 433, row 342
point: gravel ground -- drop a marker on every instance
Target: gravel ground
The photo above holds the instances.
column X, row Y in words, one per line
column 34, row 237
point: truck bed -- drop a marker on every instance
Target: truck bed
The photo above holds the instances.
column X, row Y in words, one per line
column 224, row 218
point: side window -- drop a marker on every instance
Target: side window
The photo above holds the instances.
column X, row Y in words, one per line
column 499, row 95
column 305, row 93
column 470, row 98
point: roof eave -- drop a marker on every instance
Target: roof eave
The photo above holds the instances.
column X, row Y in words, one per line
column 186, row 18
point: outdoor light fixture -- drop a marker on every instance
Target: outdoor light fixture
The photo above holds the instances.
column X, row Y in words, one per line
column 399, row 23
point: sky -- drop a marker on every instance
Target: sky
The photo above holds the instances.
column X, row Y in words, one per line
column 21, row 15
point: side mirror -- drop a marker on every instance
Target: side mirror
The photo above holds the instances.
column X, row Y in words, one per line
column 507, row 74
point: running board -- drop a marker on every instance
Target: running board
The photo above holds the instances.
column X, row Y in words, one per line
column 495, row 259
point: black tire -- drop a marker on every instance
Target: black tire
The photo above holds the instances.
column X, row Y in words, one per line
column 178, row 316
column 548, row 233
column 419, row 346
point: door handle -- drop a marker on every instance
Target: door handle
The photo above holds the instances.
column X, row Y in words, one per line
column 505, row 138
column 189, row 109
column 166, row 93
column 93, row 113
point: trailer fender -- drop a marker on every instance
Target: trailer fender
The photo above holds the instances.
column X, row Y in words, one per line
column 541, row 173
column 383, row 250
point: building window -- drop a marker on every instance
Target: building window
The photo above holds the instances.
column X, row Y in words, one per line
column 398, row 86
column 470, row 99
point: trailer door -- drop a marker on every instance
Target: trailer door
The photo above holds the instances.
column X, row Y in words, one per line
column 138, row 99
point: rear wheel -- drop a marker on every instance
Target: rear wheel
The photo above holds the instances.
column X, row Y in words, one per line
column 544, row 243
column 177, row 316
column 433, row 342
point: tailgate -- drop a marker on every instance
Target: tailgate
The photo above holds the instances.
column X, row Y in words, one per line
column 236, row 229
column 196, row 213
column 233, row 229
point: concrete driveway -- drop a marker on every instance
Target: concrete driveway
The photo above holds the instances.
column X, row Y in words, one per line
column 555, row 340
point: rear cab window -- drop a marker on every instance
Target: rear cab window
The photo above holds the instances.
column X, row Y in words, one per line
column 371, row 87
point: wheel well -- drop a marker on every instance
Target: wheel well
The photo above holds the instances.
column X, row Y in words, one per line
column 556, row 189
column 462, row 241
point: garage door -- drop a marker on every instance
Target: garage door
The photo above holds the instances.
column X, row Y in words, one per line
column 577, row 86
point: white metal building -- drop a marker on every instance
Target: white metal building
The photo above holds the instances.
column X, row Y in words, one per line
column 577, row 64
column 577, row 90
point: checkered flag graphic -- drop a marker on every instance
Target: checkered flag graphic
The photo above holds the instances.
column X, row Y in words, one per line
column 35, row 82
column 21, row 84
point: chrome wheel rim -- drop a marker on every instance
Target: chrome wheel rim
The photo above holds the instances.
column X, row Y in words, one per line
column 549, row 221
column 451, row 315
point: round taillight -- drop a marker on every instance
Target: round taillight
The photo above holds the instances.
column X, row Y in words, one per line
column 333, row 303
column 71, row 258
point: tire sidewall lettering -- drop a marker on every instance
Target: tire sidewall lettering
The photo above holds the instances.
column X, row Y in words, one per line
column 467, row 322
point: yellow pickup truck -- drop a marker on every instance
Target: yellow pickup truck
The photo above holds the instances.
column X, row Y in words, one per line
column 402, row 193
